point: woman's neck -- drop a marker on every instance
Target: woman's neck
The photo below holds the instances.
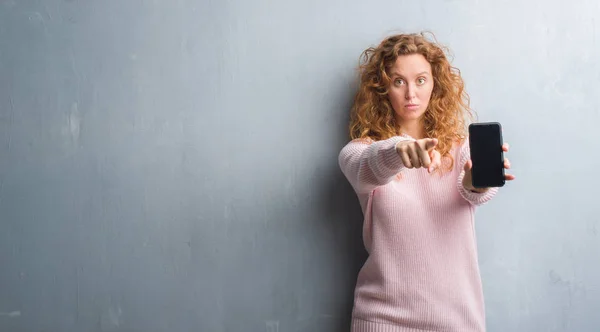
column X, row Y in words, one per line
column 414, row 129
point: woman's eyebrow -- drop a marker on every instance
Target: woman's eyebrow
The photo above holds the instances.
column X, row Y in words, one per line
column 419, row 74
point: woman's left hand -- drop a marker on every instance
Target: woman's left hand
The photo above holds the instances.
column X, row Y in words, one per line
column 468, row 182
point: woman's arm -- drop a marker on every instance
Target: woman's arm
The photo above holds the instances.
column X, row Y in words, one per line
column 368, row 164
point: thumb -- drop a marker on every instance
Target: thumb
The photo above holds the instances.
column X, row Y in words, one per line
column 468, row 165
column 430, row 143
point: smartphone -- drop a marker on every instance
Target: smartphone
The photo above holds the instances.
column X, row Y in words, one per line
column 485, row 142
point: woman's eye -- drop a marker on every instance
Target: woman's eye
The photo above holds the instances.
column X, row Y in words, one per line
column 421, row 81
column 399, row 81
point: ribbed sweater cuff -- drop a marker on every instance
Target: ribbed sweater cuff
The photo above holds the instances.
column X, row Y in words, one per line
column 474, row 198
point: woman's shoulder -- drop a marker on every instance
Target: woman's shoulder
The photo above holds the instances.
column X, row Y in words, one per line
column 356, row 145
column 360, row 142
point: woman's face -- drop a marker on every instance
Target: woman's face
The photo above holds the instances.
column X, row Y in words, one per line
column 411, row 87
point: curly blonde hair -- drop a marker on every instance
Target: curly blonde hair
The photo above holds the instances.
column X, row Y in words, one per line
column 372, row 115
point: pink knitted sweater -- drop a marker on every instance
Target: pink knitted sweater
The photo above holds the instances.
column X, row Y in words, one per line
column 422, row 272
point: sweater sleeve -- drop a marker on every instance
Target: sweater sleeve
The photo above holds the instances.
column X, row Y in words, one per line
column 472, row 197
column 369, row 164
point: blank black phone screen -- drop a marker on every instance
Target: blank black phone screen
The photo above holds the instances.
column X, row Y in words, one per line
column 485, row 140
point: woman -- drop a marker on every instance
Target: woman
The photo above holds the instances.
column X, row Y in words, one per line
column 409, row 164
